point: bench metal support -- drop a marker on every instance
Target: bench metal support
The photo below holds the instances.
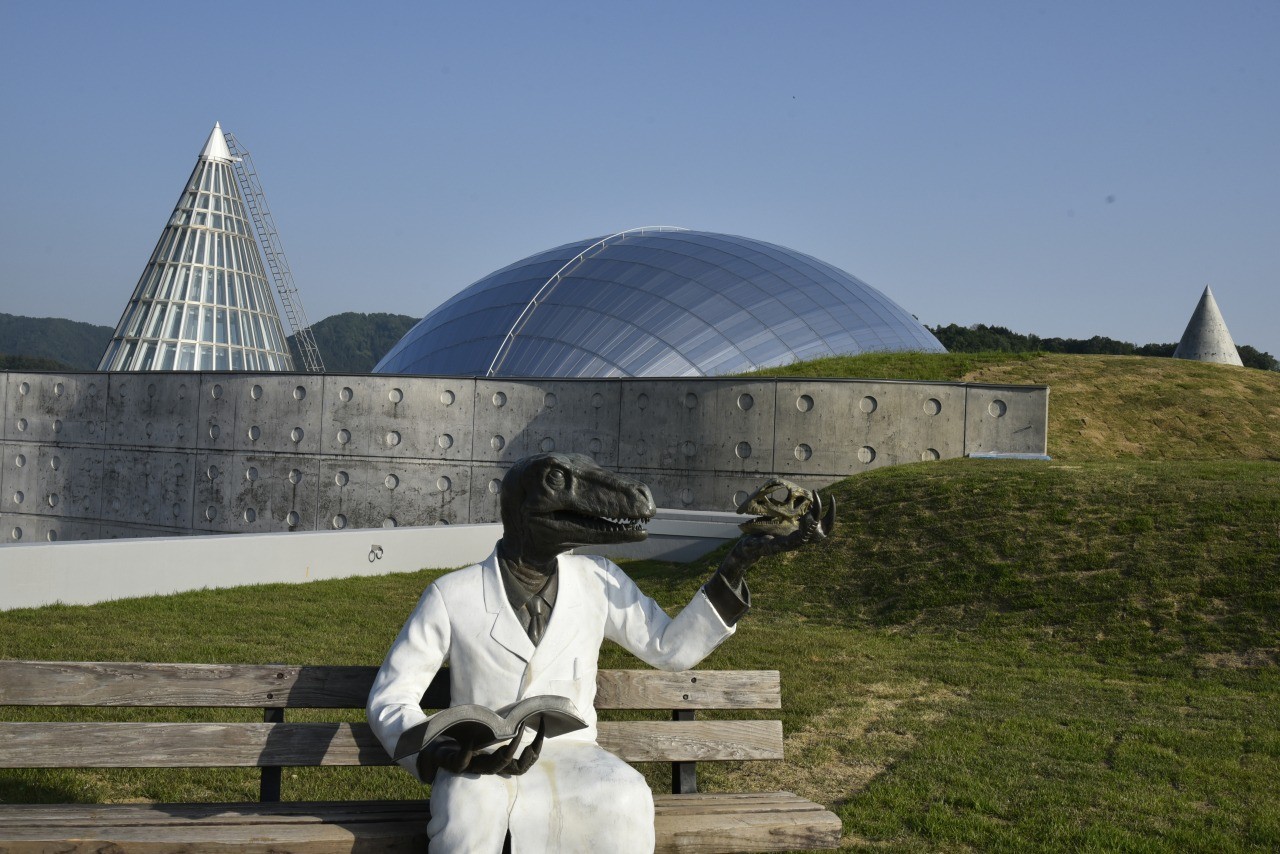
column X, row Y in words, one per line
column 684, row 775
column 269, row 790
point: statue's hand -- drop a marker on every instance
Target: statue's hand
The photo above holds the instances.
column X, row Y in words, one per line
column 812, row 527
column 462, row 758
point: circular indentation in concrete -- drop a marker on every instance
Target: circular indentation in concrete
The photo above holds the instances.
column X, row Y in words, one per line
column 745, row 401
column 292, row 518
column 497, row 443
column 804, row 403
column 342, row 478
column 547, row 445
column 392, row 439
column 445, row 441
column 251, row 473
column 216, row 391
column 391, row 481
column 868, row 404
column 19, row 460
column 499, row 399
column 595, row 446
column 803, row 452
column 743, row 450
column 296, row 434
column 866, row 454
column 389, row 522
column 550, row 400
column 597, row 400
column 395, row 395
column 686, row 497
column 344, row 436
column 149, row 429
column 214, row 431
column 151, row 389
column 93, row 389
column 444, row 484
column 254, row 433
column 346, row 394
column 688, row 449
column 998, row 408
column 212, row 472
column 495, row 486
column 180, row 430
column 22, row 425
column 690, row 400
column 642, row 400
column 58, row 389
column 146, row 466
column 55, row 462
column 115, row 505
column 295, row 476
column 182, row 390
column 19, row 497
column 447, row 397
column 255, row 392
column 642, row 448
column 179, row 470
column 250, row 515
column 929, row 454
column 57, row 425
column 300, row 392
column 739, row 497
column 93, row 427
column 339, row 521
column 24, row 388
column 211, row 512
column 932, row 406
column 52, row 536
column 16, row 534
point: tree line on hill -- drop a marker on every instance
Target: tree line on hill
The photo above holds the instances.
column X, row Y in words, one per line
column 353, row 342
column 981, row 338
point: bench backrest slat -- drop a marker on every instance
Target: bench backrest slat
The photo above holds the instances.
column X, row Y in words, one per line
column 63, row 683
column 192, row 745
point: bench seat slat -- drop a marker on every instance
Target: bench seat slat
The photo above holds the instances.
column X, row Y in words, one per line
column 81, row 683
column 206, row 745
column 685, row 824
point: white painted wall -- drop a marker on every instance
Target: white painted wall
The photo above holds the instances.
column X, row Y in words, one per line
column 82, row 573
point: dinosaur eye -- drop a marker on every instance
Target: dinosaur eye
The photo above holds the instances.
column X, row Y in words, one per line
column 556, row 478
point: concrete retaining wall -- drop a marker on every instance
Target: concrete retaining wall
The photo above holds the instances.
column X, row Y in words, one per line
column 95, row 455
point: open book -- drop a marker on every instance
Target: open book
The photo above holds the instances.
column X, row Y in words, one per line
column 482, row 727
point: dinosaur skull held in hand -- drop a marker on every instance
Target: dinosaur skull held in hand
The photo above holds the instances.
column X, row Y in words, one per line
column 778, row 506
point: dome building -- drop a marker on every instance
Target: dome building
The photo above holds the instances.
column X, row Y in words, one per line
column 654, row 302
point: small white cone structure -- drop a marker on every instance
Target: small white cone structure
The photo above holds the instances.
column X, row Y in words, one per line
column 1207, row 338
column 204, row 302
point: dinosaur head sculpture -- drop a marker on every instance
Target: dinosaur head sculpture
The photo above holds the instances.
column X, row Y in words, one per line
column 554, row 502
column 777, row 506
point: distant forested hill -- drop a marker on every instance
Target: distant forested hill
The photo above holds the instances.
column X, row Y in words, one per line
column 352, row 343
column 69, row 342
column 981, row 338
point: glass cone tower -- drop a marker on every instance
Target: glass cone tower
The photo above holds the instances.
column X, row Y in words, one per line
column 204, row 302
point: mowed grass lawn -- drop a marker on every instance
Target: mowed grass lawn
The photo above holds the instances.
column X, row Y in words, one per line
column 1079, row 654
column 994, row 656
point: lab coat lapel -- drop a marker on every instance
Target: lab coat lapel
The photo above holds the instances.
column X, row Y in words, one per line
column 506, row 629
column 565, row 622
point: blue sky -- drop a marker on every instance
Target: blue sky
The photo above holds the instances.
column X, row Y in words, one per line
column 1066, row 169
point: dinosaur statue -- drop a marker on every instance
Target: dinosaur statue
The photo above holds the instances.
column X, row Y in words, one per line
column 530, row 620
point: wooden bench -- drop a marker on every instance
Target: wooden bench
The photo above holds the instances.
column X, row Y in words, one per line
column 686, row 821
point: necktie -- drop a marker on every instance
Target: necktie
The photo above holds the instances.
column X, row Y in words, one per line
column 538, row 611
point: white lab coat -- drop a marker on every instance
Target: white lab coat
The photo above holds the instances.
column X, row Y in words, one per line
column 576, row 797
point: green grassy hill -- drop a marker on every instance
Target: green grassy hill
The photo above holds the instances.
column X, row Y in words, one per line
column 1082, row 654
